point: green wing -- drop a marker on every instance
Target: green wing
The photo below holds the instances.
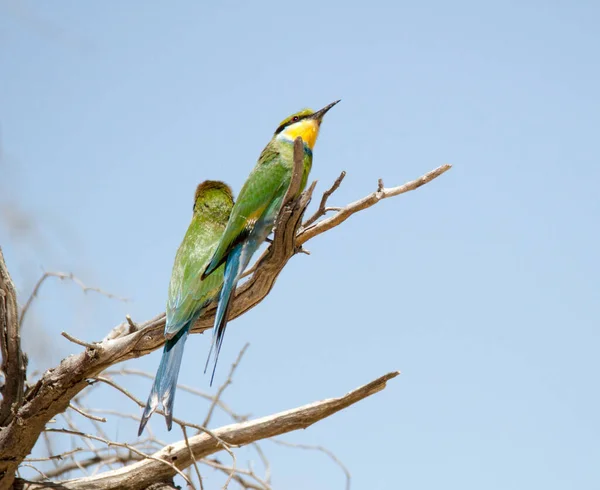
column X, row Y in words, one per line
column 269, row 178
column 188, row 293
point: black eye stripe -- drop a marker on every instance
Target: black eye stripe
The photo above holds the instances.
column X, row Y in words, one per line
column 294, row 119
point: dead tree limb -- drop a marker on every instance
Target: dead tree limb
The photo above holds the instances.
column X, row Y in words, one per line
column 140, row 475
column 14, row 362
column 53, row 392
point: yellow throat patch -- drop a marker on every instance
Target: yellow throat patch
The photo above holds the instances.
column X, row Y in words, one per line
column 307, row 129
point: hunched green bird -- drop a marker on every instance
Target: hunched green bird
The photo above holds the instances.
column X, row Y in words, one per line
column 256, row 209
column 189, row 291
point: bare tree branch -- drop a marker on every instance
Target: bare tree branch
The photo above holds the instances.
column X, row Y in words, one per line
column 323, row 205
column 222, row 388
column 73, row 460
column 54, row 390
column 262, row 484
column 343, row 214
column 100, row 456
column 166, row 485
column 264, row 461
column 160, row 461
column 40, row 472
column 87, row 415
column 194, row 463
column 178, row 421
column 321, row 449
column 77, row 341
column 55, row 456
column 62, row 276
column 297, row 171
column 14, row 362
column 220, row 403
column 176, row 457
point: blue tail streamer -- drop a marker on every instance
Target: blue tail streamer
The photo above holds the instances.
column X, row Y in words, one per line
column 230, row 280
column 165, row 382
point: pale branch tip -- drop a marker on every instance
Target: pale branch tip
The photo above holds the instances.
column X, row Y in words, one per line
column 82, row 412
column 125, row 328
column 131, row 323
column 77, row 341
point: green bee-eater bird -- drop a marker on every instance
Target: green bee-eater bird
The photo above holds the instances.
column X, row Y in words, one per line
column 189, row 291
column 258, row 204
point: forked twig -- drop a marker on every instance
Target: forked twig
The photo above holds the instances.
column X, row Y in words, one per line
column 323, row 205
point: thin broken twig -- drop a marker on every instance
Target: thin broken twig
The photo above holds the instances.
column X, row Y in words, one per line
column 63, row 276
column 222, row 388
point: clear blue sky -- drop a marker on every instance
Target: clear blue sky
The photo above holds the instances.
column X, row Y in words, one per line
column 481, row 287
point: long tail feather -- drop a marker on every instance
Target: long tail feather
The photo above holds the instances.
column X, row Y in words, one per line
column 230, row 280
column 165, row 382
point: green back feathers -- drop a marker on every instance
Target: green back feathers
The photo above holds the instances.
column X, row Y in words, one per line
column 294, row 118
column 188, row 294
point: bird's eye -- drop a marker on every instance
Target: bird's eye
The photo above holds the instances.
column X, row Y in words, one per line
column 295, row 119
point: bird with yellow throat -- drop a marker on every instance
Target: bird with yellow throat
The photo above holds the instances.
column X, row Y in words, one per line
column 257, row 207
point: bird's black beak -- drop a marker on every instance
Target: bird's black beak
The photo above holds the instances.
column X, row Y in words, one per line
column 319, row 114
